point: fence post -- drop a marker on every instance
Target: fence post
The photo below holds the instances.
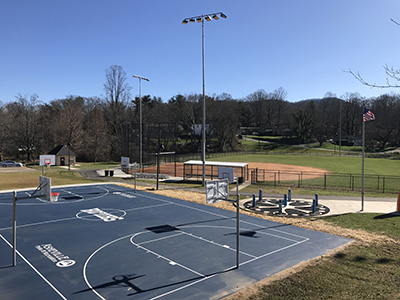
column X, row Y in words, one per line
column 299, row 180
column 378, row 182
column 383, row 185
column 350, row 182
column 274, row 178
column 325, row 180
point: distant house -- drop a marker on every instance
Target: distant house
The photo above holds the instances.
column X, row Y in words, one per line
column 62, row 153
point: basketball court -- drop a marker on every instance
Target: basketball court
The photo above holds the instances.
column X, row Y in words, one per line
column 104, row 241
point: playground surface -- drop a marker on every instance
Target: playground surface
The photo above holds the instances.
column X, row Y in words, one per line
column 104, row 241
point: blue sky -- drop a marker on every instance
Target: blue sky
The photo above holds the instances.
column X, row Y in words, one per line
column 59, row 48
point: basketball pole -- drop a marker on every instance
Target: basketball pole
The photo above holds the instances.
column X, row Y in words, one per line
column 237, row 222
column 14, row 259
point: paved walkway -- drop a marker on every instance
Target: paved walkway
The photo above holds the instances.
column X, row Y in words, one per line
column 343, row 204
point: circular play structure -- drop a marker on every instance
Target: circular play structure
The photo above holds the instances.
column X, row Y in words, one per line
column 285, row 207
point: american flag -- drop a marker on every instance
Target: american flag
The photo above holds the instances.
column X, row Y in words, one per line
column 368, row 115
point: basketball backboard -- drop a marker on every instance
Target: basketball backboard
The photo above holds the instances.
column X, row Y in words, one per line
column 44, row 188
column 47, row 160
column 217, row 190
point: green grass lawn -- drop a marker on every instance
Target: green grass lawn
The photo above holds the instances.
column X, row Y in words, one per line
column 17, row 180
column 331, row 146
column 386, row 224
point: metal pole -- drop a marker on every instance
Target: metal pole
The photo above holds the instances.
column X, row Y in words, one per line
column 362, row 163
column 340, row 129
column 14, row 260
column 237, row 222
column 135, row 177
column 140, row 124
column 140, row 120
column 69, row 159
column 158, row 166
column 203, row 145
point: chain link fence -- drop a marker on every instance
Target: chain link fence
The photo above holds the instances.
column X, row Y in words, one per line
column 343, row 181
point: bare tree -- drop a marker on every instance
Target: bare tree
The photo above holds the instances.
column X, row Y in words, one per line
column 392, row 79
column 116, row 100
column 23, row 124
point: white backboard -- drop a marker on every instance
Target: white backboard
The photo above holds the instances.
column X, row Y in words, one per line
column 124, row 162
column 217, row 190
column 47, row 160
column 45, row 187
column 224, row 172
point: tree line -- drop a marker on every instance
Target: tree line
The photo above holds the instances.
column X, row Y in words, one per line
column 104, row 128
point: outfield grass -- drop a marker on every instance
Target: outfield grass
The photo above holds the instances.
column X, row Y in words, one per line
column 335, row 164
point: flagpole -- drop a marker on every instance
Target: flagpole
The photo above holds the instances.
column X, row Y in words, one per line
column 362, row 168
column 367, row 116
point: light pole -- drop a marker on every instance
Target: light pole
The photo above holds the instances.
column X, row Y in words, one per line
column 140, row 118
column 200, row 19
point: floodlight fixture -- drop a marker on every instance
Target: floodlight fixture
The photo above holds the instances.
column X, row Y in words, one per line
column 192, row 20
column 215, row 17
column 222, row 15
column 185, row 21
column 208, row 18
column 199, row 19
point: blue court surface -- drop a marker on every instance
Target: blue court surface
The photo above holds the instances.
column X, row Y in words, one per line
column 105, row 241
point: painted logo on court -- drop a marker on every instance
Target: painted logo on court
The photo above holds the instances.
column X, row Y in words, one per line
column 61, row 260
column 124, row 195
column 65, row 263
column 97, row 214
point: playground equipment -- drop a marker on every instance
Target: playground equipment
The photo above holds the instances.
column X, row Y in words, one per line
column 286, row 206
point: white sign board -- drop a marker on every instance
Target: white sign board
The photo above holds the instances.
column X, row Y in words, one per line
column 47, row 160
column 224, row 172
column 217, row 190
column 124, row 162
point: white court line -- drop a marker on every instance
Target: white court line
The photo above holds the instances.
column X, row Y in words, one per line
column 90, row 257
column 34, row 269
column 160, row 239
column 273, row 252
column 224, row 216
column 73, row 194
column 197, row 237
column 161, row 256
column 41, row 223
column 147, row 207
column 254, row 258
column 184, row 287
column 218, row 244
column 61, row 202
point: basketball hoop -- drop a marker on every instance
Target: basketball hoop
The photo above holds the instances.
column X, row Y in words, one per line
column 54, row 197
column 47, row 162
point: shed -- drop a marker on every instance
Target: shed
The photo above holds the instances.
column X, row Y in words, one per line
column 63, row 153
column 194, row 168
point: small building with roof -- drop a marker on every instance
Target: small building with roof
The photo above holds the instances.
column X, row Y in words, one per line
column 63, row 154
